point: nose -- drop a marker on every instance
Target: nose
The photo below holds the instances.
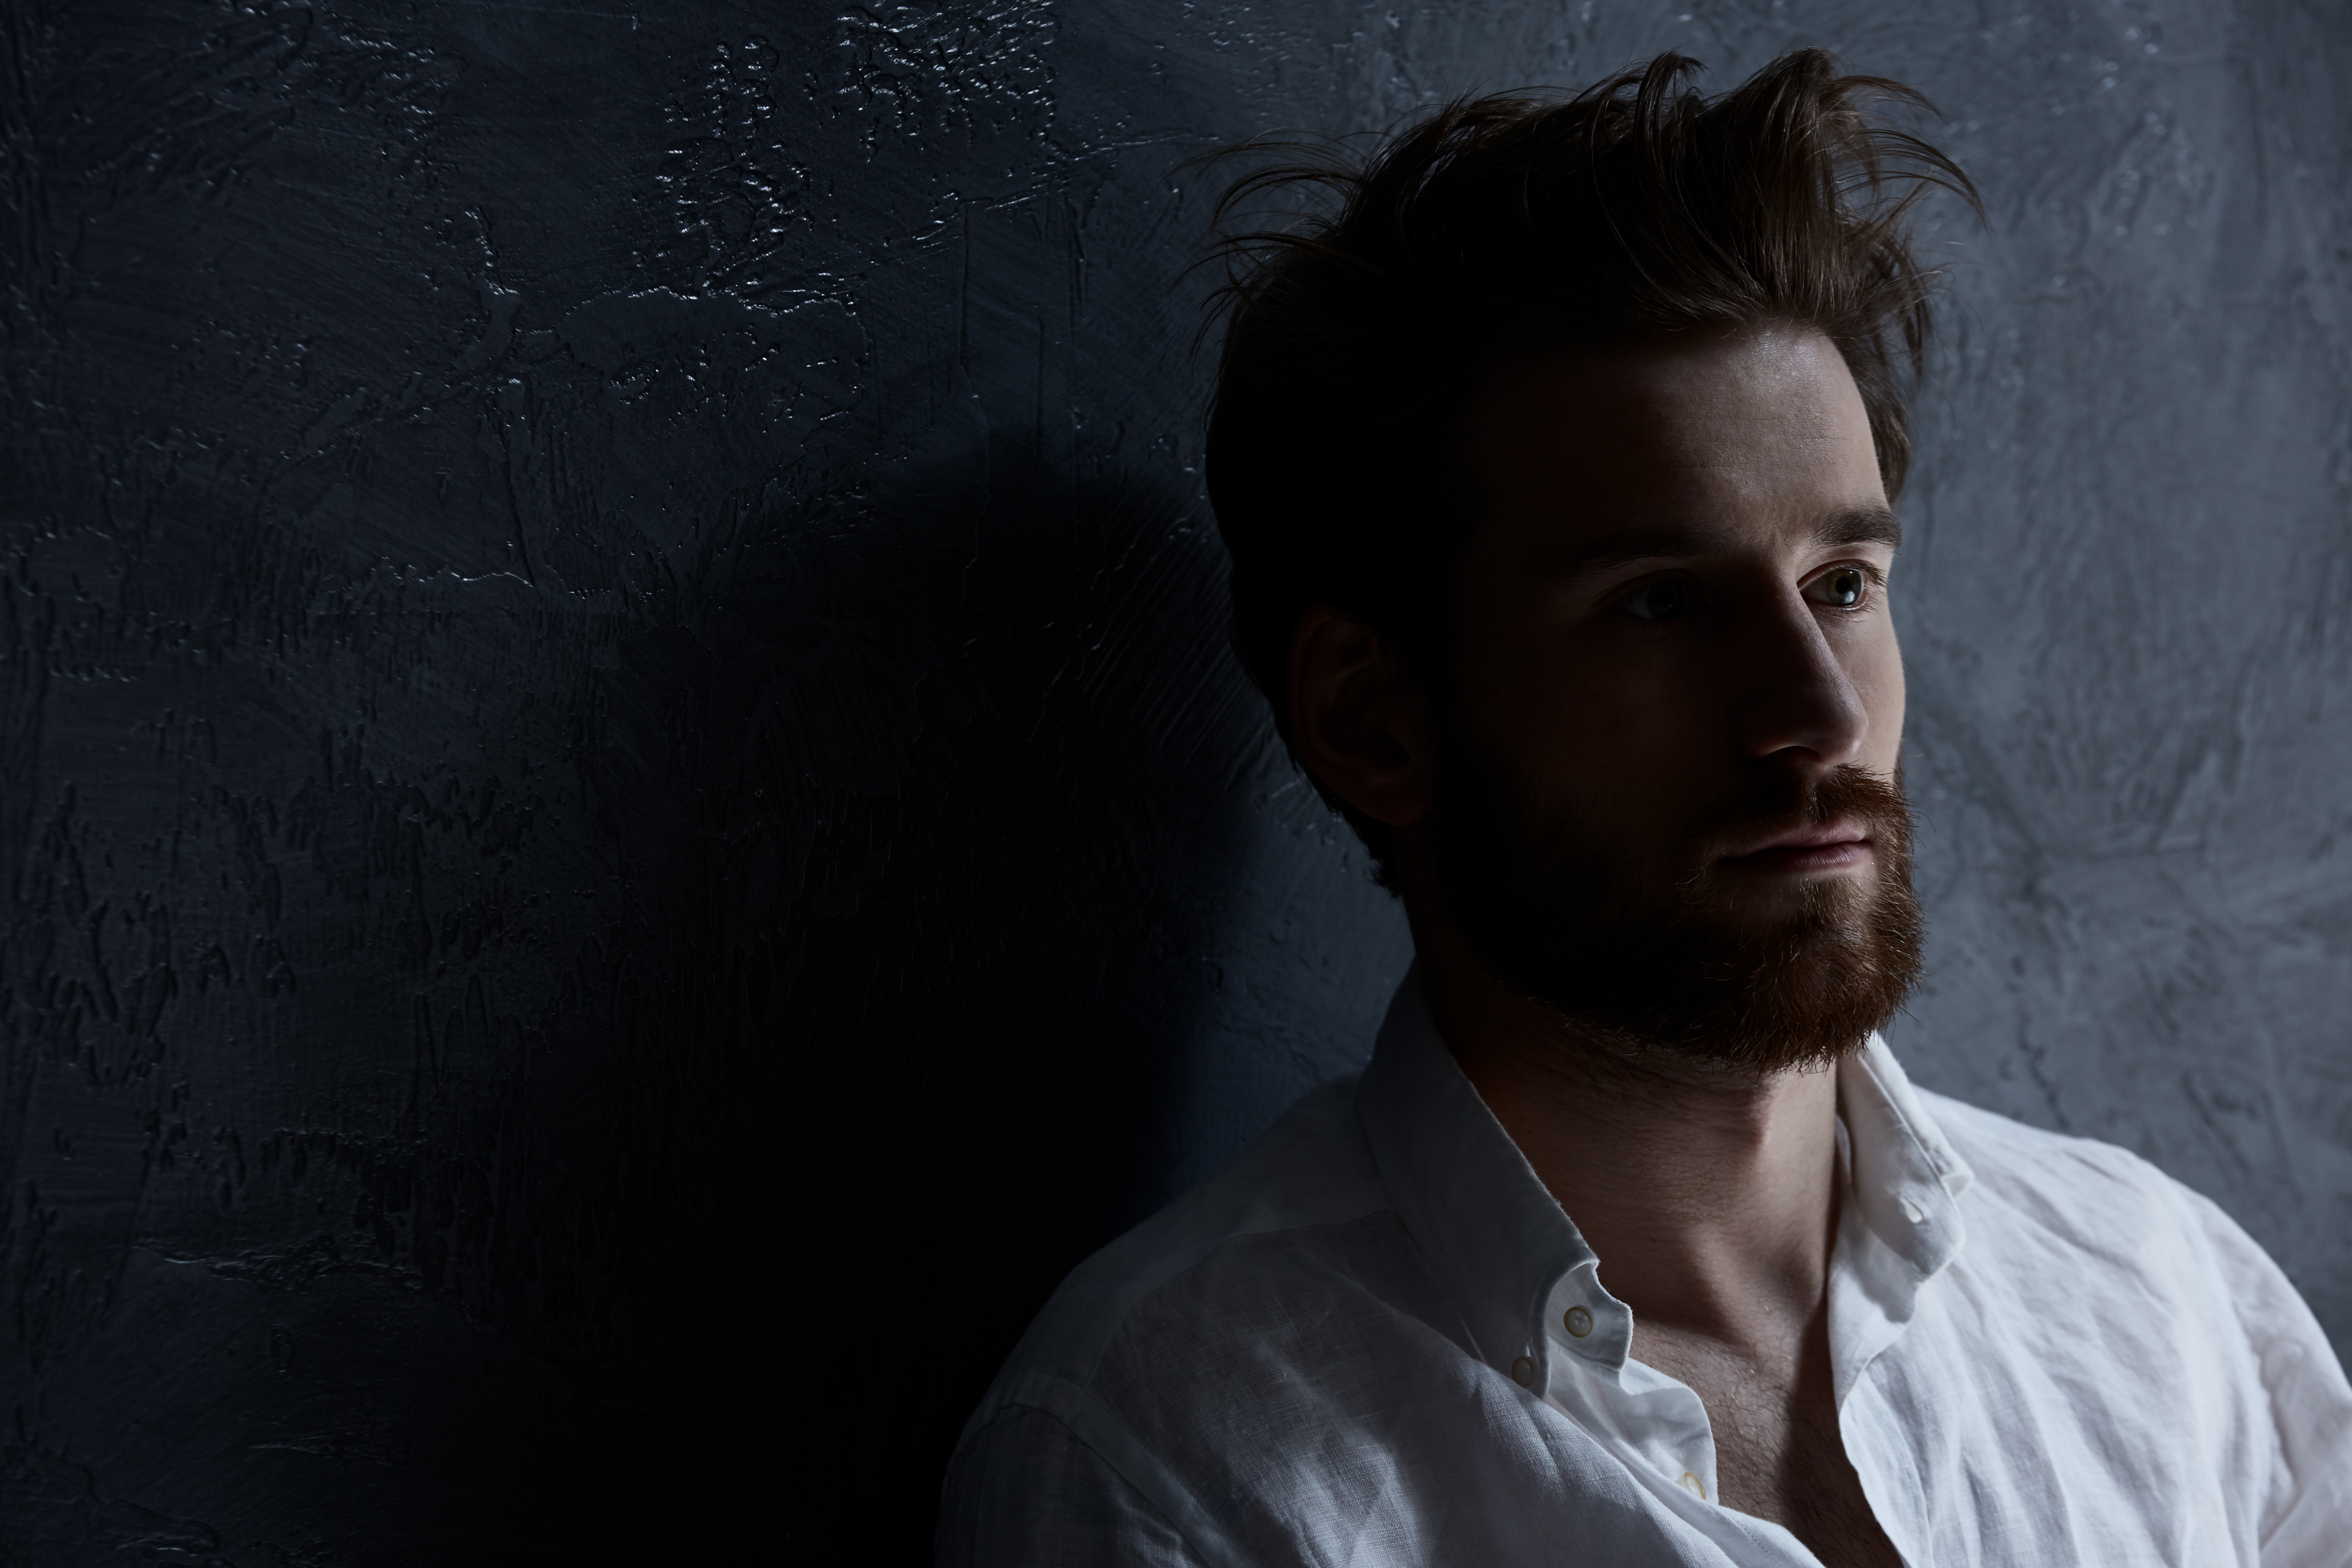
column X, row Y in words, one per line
column 1797, row 703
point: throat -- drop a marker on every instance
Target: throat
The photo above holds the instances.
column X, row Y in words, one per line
column 1710, row 1199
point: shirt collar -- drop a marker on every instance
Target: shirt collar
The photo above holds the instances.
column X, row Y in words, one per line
column 1508, row 1255
column 1901, row 1224
column 1464, row 1192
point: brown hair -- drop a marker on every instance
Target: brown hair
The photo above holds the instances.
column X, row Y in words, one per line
column 1502, row 224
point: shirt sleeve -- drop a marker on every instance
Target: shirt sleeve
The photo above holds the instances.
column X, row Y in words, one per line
column 2306, row 1520
column 1024, row 1492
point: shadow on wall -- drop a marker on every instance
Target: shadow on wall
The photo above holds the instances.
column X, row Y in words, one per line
column 878, row 1047
column 940, row 912
column 981, row 1072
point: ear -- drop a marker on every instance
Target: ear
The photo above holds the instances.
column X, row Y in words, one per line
column 1357, row 723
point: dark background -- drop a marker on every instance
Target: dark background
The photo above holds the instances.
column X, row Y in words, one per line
column 625, row 823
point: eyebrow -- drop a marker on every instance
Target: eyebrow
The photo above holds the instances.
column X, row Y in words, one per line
column 1854, row 525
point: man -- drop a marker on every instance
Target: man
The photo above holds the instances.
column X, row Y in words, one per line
column 1556, row 469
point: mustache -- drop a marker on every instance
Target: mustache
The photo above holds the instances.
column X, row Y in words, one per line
column 1789, row 802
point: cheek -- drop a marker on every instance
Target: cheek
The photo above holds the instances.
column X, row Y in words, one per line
column 1508, row 668
column 1879, row 682
column 1617, row 731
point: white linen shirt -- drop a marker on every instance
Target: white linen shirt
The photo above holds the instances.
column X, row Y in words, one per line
column 1376, row 1339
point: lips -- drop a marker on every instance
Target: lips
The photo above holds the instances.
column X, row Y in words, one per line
column 1817, row 846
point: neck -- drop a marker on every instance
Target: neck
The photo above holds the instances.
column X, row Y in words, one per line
column 1708, row 1195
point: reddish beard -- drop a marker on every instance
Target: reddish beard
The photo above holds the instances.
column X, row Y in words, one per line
column 1643, row 960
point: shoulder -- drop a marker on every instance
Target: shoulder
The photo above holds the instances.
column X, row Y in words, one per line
column 2058, row 1183
column 2078, row 1218
column 1198, row 1257
column 2092, row 1241
column 1155, row 1355
column 1034, row 1496
column 2101, row 1242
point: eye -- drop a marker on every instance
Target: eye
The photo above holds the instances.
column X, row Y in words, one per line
column 1662, row 600
column 1839, row 587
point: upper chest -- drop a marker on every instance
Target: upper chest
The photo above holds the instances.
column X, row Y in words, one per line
column 1778, row 1449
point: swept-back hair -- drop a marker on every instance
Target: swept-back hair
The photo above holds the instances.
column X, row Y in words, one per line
column 1508, row 225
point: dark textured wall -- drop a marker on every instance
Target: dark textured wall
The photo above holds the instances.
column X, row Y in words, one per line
column 625, row 828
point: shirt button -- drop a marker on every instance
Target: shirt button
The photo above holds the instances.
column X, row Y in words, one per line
column 1693, row 1485
column 1523, row 1372
column 1577, row 1321
column 1912, row 1211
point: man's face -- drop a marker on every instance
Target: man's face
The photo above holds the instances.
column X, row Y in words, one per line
column 1664, row 795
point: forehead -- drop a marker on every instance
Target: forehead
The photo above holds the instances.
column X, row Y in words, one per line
column 1760, row 428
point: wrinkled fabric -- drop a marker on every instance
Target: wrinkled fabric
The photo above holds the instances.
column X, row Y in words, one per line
column 1376, row 1339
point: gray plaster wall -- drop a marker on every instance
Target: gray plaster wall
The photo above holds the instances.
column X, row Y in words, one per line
column 622, row 824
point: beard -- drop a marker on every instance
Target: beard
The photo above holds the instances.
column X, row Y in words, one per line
column 1665, row 960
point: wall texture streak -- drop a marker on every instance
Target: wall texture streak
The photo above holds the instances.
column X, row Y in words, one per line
column 622, row 822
